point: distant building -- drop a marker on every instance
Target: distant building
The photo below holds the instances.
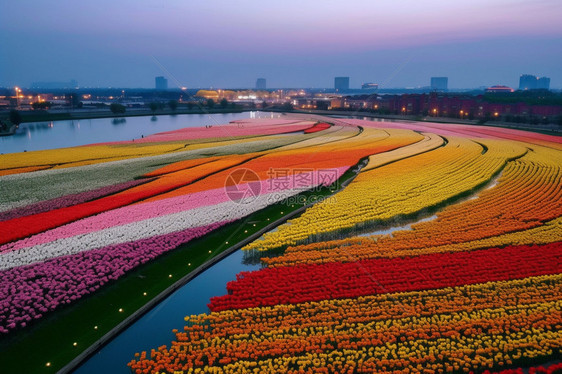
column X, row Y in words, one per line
column 451, row 105
column 311, row 103
column 369, row 86
column 532, row 82
column 341, row 83
column 261, row 84
column 439, row 83
column 498, row 89
column 161, row 83
column 527, row 82
column 543, row 83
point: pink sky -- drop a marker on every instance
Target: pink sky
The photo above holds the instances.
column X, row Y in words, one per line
column 292, row 43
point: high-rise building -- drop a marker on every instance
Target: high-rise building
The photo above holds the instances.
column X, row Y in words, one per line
column 341, row 83
column 532, row 82
column 439, row 83
column 527, row 82
column 543, row 83
column 161, row 83
column 260, row 84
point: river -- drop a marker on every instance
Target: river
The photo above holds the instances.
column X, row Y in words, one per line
column 34, row 136
column 155, row 327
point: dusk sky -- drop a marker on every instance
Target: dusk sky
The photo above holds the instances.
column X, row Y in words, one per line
column 305, row 43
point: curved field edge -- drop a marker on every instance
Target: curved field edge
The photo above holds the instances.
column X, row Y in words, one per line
column 254, row 254
column 29, row 188
column 26, row 350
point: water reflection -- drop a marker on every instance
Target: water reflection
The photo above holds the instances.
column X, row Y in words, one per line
column 155, row 327
column 59, row 134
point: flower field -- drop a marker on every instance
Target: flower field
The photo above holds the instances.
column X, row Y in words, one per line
column 438, row 250
column 476, row 288
column 56, row 251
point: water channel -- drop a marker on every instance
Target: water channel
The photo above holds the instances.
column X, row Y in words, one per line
column 34, row 136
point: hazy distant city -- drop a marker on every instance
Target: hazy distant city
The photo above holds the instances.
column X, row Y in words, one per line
column 450, row 60
column 532, row 101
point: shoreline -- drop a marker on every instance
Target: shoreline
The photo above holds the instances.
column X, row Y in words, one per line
column 10, row 131
column 44, row 116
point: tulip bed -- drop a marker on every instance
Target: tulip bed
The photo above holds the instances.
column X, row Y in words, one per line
column 527, row 196
column 477, row 289
column 429, row 143
column 543, row 369
column 28, row 188
column 68, row 200
column 451, row 329
column 22, row 170
column 398, row 189
column 27, row 292
column 82, row 224
column 317, row 127
column 238, row 128
column 313, row 282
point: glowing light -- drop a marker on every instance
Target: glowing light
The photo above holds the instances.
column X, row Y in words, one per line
column 75, row 344
column 144, row 293
column 120, row 310
column 95, row 327
column 48, row 364
column 169, row 276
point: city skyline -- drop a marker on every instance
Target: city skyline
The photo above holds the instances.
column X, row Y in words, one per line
column 229, row 45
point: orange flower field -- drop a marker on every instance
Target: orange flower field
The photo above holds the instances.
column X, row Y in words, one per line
column 429, row 247
column 441, row 256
